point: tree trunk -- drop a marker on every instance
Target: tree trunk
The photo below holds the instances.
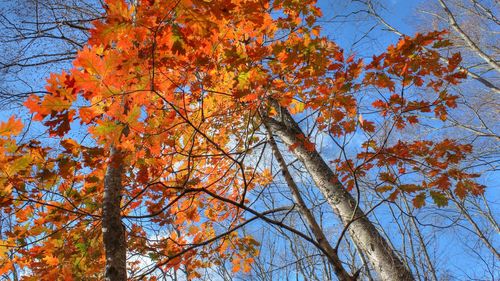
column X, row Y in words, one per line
column 383, row 259
column 112, row 229
column 318, row 233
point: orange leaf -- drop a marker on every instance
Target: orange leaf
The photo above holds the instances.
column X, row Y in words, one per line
column 51, row 260
column 12, row 127
column 419, row 200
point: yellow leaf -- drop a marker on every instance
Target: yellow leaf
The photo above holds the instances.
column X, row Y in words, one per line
column 4, row 249
column 18, row 165
column 267, row 177
column 296, row 107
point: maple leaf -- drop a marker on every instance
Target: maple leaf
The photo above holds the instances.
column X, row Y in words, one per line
column 51, row 260
column 419, row 200
column 296, row 107
column 11, row 127
column 368, row 126
column 384, row 188
column 461, row 190
column 247, row 265
column 410, row 187
column 439, row 198
column 5, row 268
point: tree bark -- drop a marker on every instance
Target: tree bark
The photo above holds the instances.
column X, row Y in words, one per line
column 113, row 232
column 384, row 260
column 316, row 230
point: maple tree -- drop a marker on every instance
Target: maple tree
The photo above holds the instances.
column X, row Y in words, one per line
column 175, row 96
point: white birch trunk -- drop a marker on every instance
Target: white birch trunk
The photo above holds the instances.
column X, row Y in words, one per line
column 382, row 257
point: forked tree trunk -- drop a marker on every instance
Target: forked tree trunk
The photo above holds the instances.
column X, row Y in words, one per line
column 316, row 230
column 113, row 232
column 384, row 260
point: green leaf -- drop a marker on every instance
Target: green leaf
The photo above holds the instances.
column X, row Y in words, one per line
column 82, row 247
column 243, row 80
column 439, row 198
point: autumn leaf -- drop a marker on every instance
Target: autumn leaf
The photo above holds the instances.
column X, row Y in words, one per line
column 419, row 200
column 410, row 187
column 384, row 188
column 439, row 198
column 51, row 260
column 296, row 107
column 247, row 265
column 11, row 127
